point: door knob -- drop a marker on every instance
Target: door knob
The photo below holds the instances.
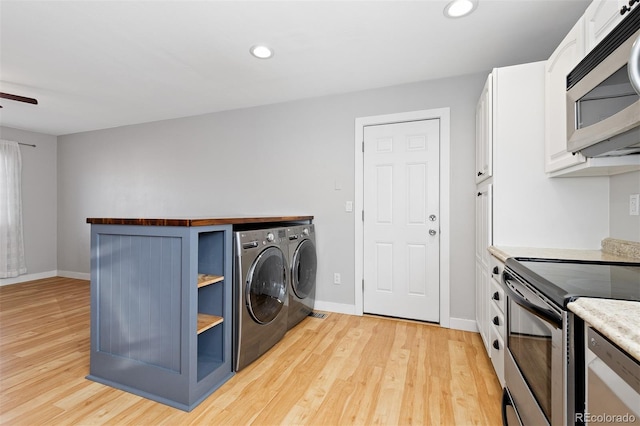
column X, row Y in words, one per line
column 432, row 232
column 432, row 217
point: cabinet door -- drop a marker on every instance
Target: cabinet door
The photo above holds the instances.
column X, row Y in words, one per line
column 483, row 241
column 484, row 219
column 482, row 305
column 484, row 134
column 599, row 19
column 561, row 62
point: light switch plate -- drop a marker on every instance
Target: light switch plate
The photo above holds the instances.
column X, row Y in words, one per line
column 634, row 204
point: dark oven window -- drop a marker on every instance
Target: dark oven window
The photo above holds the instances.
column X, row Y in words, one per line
column 530, row 342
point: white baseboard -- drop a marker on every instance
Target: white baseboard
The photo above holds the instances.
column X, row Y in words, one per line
column 41, row 275
column 28, row 277
column 77, row 275
column 463, row 324
column 339, row 308
column 342, row 308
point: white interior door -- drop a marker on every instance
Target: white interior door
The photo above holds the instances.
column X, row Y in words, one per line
column 401, row 232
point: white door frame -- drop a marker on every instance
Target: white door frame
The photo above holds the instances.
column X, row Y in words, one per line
column 443, row 114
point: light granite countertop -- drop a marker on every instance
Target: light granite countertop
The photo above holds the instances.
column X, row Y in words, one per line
column 619, row 320
column 503, row 253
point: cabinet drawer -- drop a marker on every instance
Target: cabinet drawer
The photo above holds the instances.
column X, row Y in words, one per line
column 496, row 268
column 498, row 296
column 497, row 354
column 497, row 320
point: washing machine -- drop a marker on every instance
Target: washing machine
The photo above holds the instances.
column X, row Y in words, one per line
column 303, row 264
column 260, row 292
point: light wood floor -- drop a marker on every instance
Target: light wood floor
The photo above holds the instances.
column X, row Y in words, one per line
column 340, row 370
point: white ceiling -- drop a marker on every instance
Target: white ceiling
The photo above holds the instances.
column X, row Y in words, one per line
column 100, row 64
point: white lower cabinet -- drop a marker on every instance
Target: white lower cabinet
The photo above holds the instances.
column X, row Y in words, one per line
column 483, row 240
column 497, row 318
column 497, row 354
column 482, row 307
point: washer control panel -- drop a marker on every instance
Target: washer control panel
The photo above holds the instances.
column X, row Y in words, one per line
column 262, row 237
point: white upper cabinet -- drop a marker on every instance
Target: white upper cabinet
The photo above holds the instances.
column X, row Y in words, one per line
column 599, row 19
column 484, row 136
column 562, row 61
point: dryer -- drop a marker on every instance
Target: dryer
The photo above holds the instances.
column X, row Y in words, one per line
column 303, row 265
column 260, row 292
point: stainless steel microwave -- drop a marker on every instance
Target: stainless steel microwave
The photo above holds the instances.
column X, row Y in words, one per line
column 603, row 101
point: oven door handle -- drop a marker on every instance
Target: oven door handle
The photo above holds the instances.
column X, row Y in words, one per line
column 544, row 314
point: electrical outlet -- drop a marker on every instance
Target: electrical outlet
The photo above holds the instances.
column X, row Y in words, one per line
column 634, row 204
column 336, row 278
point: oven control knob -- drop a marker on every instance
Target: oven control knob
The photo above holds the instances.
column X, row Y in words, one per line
column 270, row 237
column 593, row 342
column 496, row 344
column 496, row 320
column 496, row 296
column 495, row 270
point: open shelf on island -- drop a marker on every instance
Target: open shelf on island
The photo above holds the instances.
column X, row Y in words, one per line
column 206, row 321
column 205, row 279
column 206, row 365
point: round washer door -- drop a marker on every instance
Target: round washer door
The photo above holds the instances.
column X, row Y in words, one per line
column 303, row 269
column 267, row 285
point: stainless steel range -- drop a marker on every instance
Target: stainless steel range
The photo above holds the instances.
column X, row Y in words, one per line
column 544, row 383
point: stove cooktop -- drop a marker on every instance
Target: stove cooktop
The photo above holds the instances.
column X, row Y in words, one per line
column 563, row 280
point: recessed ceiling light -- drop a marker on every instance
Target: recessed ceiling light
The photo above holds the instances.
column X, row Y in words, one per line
column 261, row 51
column 460, row 8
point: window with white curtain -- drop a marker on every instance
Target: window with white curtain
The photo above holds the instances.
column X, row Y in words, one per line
column 12, row 262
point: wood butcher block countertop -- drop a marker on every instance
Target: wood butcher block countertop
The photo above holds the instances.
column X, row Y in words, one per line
column 196, row 221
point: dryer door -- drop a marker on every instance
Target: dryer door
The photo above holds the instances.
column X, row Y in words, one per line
column 266, row 289
column 303, row 269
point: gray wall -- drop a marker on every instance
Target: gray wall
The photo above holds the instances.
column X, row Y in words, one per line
column 281, row 159
column 623, row 226
column 272, row 160
column 39, row 199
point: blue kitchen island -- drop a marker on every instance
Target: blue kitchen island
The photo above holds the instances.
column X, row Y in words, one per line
column 161, row 305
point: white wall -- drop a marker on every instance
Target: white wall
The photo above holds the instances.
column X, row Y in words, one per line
column 39, row 202
column 624, row 226
column 529, row 208
column 281, row 159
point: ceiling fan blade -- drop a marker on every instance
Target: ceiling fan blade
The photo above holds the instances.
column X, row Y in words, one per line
column 18, row 98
